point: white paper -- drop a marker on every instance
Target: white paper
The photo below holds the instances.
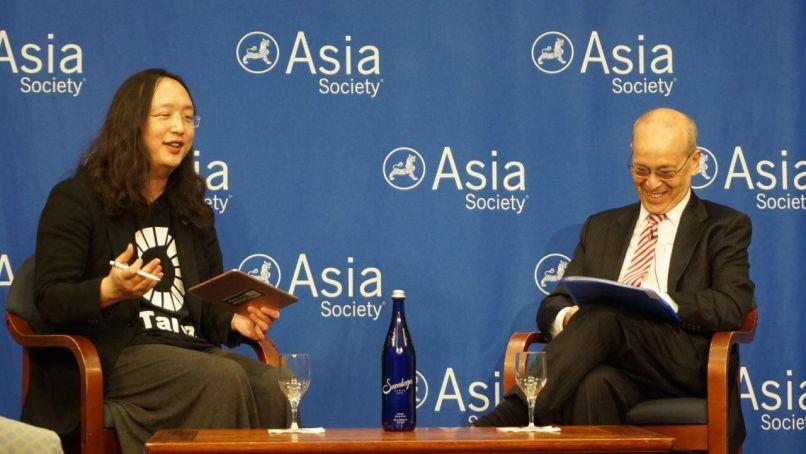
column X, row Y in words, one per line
column 302, row 430
column 543, row 429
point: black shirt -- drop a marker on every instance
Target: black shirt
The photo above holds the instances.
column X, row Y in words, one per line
column 162, row 316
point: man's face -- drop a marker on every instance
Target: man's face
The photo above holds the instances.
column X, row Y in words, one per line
column 661, row 147
column 169, row 129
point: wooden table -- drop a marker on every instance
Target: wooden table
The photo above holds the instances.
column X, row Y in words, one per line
column 429, row 439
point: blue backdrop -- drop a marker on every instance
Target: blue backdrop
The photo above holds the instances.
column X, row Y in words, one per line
column 449, row 149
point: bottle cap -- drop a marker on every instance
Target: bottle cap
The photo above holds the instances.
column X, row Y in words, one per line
column 398, row 294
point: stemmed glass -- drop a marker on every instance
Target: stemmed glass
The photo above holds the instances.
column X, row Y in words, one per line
column 530, row 375
column 295, row 377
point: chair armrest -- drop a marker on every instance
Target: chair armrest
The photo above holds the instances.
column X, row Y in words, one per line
column 89, row 365
column 718, row 379
column 518, row 342
column 265, row 350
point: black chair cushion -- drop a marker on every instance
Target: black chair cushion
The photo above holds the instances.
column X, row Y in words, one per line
column 20, row 299
column 684, row 410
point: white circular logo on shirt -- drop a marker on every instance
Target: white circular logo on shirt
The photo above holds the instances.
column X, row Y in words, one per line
column 155, row 242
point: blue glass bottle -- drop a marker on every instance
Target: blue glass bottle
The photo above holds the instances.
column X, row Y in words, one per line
column 398, row 372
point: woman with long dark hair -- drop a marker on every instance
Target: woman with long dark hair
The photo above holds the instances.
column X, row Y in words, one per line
column 136, row 199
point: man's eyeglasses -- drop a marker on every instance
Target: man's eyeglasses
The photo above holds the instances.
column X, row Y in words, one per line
column 188, row 120
column 664, row 173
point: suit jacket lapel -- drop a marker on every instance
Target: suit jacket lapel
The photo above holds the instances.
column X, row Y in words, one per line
column 121, row 232
column 692, row 224
column 186, row 251
column 618, row 240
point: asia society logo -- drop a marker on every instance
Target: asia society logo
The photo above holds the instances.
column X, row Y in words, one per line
column 48, row 66
column 263, row 267
column 344, row 67
column 549, row 270
column 778, row 399
column 641, row 66
column 776, row 180
column 345, row 289
column 485, row 184
column 257, row 52
column 552, row 52
column 707, row 171
column 404, row 168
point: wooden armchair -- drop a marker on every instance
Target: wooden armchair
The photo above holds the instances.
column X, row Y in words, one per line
column 706, row 428
column 96, row 432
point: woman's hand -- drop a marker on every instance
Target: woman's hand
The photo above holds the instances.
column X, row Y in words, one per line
column 255, row 326
column 121, row 285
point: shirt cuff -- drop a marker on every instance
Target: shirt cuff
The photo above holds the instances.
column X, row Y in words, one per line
column 557, row 326
column 668, row 299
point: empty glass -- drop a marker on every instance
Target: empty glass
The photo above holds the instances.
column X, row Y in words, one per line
column 295, row 377
column 530, row 375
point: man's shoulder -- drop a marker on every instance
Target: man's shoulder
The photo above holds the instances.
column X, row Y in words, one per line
column 718, row 210
column 616, row 214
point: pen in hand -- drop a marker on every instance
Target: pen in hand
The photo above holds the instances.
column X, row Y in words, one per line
column 139, row 272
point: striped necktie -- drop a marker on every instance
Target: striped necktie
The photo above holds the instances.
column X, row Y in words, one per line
column 644, row 253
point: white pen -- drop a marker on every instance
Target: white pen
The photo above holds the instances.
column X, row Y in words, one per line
column 139, row 272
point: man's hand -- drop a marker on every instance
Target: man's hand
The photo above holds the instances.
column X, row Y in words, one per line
column 255, row 326
column 573, row 310
column 127, row 284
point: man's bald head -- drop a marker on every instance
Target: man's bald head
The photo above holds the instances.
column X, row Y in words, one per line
column 668, row 121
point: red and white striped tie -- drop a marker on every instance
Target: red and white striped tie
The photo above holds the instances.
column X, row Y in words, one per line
column 644, row 253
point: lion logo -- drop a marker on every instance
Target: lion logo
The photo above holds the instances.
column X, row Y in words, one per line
column 263, row 267
column 257, row 52
column 264, row 274
column 553, row 275
column 407, row 169
column 702, row 170
column 403, row 168
column 550, row 270
column 707, row 170
column 552, row 52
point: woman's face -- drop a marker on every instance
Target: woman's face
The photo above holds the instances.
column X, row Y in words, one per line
column 169, row 129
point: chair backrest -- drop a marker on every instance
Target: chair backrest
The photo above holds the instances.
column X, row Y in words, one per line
column 21, row 296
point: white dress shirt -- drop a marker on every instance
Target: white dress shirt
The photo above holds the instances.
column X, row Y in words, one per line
column 658, row 275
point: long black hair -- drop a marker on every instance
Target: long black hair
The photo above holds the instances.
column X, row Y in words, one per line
column 118, row 163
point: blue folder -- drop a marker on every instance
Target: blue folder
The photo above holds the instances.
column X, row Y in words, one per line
column 591, row 290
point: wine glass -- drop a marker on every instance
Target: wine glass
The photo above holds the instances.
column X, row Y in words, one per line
column 295, row 377
column 530, row 374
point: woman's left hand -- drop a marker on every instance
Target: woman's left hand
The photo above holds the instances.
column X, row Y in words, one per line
column 255, row 326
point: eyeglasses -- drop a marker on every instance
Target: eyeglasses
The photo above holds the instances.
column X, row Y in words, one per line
column 663, row 173
column 188, row 120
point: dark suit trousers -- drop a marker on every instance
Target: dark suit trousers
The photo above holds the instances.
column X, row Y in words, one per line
column 605, row 362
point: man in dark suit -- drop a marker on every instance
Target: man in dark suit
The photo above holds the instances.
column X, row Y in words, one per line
column 602, row 361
